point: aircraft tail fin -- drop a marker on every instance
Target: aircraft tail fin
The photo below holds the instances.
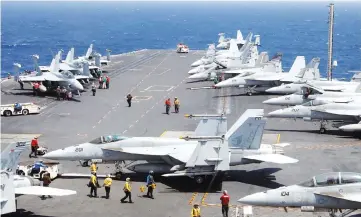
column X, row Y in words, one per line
column 97, row 59
column 239, row 35
column 8, row 204
column 260, row 58
column 70, row 56
column 221, row 38
column 211, row 125
column 10, row 156
column 311, row 71
column 356, row 77
column 60, row 54
column 277, row 57
column 247, row 132
column 257, row 40
column 108, row 54
column 298, row 65
column 358, row 89
column 36, row 65
column 89, row 51
column 17, row 67
column 86, row 70
column 233, row 48
column 55, row 64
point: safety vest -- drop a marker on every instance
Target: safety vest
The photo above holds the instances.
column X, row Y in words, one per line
column 196, row 212
column 34, row 143
column 176, row 102
column 93, row 167
column 93, row 180
column 127, row 187
column 167, row 102
column 108, row 182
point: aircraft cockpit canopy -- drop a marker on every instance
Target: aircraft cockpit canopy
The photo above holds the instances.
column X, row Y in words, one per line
column 107, row 139
column 68, row 74
column 310, row 103
column 335, row 178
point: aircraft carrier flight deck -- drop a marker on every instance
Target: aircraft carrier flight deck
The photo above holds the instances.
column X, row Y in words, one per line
column 151, row 76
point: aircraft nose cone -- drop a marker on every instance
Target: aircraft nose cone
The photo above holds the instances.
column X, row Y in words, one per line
column 55, row 155
column 274, row 90
column 198, row 76
column 254, row 199
column 193, row 71
column 272, row 101
column 276, row 114
column 197, row 63
column 226, row 83
column 78, row 86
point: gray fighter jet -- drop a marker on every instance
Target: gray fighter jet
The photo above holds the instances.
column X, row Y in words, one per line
column 318, row 96
column 339, row 114
column 329, row 192
column 212, row 148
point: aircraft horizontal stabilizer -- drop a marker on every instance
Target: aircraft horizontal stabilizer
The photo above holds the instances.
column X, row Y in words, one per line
column 2, row 200
column 333, row 88
column 355, row 197
column 39, row 190
column 272, row 158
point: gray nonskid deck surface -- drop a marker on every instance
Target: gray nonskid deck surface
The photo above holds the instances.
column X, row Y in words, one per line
column 151, row 76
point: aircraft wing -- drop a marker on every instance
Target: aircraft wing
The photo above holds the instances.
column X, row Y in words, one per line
column 272, row 158
column 354, row 197
column 340, row 112
column 45, row 77
column 39, row 190
column 178, row 152
column 81, row 77
column 267, row 77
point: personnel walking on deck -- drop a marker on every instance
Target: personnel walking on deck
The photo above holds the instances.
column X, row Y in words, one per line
column 63, row 92
column 34, row 147
column 94, row 89
column 46, row 183
column 176, row 105
column 107, row 183
column 58, row 93
column 93, row 184
column 167, row 106
column 127, row 190
column 104, row 82
column 196, row 211
column 107, row 81
column 150, row 184
column 100, row 82
column 129, row 100
column 36, row 86
column 225, row 203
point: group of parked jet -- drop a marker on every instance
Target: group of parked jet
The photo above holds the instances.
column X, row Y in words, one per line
column 314, row 98
column 70, row 73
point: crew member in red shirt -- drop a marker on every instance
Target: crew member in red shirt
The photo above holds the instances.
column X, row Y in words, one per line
column 225, row 203
column 167, row 106
column 36, row 86
column 34, row 147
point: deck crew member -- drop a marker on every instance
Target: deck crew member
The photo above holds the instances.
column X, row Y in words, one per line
column 36, row 86
column 34, row 147
column 94, row 168
column 127, row 190
column 17, row 107
column 196, row 211
column 225, row 203
column 94, row 89
column 176, row 105
column 150, row 184
column 104, row 82
column 46, row 183
column 37, row 166
column 167, row 106
column 58, row 93
column 100, row 82
column 107, row 183
column 129, row 100
column 107, row 81
column 93, row 184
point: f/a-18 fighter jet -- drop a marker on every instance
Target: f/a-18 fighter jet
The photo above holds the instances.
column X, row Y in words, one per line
column 329, row 192
column 212, row 148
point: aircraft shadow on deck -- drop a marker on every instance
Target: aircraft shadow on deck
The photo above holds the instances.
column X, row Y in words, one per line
column 333, row 132
column 24, row 213
column 198, row 81
column 260, row 177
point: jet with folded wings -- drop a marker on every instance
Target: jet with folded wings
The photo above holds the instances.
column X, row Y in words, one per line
column 329, row 192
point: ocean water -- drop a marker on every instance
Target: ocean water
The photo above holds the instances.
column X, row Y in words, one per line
column 296, row 28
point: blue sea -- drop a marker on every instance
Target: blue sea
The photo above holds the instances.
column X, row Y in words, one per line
column 293, row 28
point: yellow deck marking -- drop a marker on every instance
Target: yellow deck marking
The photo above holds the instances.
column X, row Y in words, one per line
column 278, row 138
column 190, row 202
column 161, row 135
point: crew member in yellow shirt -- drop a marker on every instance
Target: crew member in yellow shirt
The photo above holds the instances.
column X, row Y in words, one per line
column 94, row 168
column 196, row 211
column 107, row 183
column 176, row 104
column 93, row 184
column 127, row 190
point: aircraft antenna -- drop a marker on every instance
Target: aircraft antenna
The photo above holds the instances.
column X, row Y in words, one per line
column 330, row 42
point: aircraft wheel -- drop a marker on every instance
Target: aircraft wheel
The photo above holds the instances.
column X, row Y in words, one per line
column 199, row 179
column 118, row 175
column 25, row 112
column 322, row 130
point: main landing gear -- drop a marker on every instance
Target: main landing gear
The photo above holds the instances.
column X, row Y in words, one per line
column 323, row 127
column 347, row 212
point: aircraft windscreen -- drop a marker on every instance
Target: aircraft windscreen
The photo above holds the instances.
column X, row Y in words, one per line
column 347, row 178
column 310, row 103
column 107, row 139
column 68, row 74
column 308, row 183
column 327, row 179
